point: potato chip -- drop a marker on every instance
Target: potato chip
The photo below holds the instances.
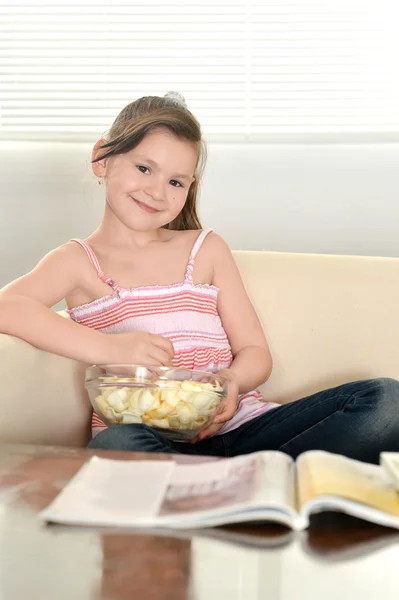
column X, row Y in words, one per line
column 115, row 401
column 173, row 405
column 129, row 419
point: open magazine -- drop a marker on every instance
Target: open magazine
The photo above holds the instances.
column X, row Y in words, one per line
column 263, row 486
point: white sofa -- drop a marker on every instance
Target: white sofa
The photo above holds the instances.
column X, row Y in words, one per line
column 328, row 319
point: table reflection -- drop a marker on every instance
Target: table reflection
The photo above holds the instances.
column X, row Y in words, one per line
column 145, row 566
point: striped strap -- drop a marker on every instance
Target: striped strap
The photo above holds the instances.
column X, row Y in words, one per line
column 96, row 265
column 198, row 243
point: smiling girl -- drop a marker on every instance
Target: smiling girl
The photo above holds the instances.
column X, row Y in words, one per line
column 150, row 287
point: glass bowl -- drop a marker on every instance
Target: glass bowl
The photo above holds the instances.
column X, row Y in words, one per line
column 176, row 402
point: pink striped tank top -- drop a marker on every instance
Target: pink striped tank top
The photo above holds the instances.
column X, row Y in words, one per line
column 186, row 313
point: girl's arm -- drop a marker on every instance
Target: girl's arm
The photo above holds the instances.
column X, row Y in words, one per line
column 25, row 312
column 252, row 364
column 252, row 361
column 25, row 308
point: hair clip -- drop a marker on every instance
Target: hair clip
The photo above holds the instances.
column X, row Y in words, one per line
column 176, row 98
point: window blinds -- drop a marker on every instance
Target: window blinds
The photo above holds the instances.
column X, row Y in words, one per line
column 248, row 70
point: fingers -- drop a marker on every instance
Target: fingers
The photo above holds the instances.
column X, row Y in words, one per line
column 216, row 422
column 164, row 344
column 205, row 433
column 226, row 413
column 227, row 408
column 159, row 357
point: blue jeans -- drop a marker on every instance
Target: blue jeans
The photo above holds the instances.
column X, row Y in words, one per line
column 358, row 420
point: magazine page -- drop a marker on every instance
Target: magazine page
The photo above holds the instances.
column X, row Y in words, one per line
column 332, row 482
column 165, row 493
column 112, row 493
column 258, row 486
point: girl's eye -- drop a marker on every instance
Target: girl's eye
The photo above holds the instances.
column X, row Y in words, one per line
column 143, row 169
column 175, row 183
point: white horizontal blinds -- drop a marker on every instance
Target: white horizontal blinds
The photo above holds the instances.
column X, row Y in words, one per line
column 70, row 67
column 324, row 66
column 245, row 68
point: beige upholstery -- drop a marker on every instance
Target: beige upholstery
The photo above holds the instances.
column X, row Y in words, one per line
column 328, row 319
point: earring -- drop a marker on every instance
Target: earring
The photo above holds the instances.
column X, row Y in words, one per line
column 100, row 181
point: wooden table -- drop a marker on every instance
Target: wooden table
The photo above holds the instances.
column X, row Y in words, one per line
column 337, row 556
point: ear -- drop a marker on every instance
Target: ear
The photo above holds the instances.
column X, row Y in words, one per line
column 99, row 168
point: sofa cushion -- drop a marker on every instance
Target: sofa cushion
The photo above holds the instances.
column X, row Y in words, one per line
column 42, row 397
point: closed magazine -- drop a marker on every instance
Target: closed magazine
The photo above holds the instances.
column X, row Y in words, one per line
column 260, row 487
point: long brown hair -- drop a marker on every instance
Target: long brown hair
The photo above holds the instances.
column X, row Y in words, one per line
column 150, row 113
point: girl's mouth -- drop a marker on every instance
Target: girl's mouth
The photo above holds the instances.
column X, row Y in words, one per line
column 145, row 207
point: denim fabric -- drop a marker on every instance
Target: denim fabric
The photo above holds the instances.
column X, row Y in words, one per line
column 358, row 420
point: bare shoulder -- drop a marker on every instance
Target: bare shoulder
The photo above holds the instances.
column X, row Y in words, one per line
column 216, row 248
column 215, row 260
column 213, row 246
column 67, row 262
column 186, row 239
column 216, row 242
column 53, row 278
column 67, row 256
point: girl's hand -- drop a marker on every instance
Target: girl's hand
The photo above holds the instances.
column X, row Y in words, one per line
column 138, row 347
column 226, row 409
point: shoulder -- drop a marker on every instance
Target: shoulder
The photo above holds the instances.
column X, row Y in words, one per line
column 217, row 242
column 213, row 249
column 69, row 259
column 216, row 254
column 67, row 253
column 216, row 247
column 212, row 242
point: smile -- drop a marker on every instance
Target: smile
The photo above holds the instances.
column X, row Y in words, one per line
column 145, row 207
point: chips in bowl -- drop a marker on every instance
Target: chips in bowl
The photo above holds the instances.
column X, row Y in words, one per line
column 177, row 402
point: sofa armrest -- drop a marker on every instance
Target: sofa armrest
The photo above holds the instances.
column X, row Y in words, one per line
column 42, row 396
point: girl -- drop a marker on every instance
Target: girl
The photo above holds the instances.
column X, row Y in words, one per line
column 149, row 276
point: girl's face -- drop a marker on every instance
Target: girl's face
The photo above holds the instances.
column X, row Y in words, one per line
column 147, row 187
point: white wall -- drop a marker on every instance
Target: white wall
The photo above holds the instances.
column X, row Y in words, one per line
column 336, row 198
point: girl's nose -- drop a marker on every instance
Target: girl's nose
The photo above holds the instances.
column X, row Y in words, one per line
column 155, row 189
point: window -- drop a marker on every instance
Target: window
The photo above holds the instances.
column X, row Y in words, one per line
column 249, row 70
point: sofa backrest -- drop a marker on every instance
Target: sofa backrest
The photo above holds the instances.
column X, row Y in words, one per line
column 328, row 319
column 42, row 397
